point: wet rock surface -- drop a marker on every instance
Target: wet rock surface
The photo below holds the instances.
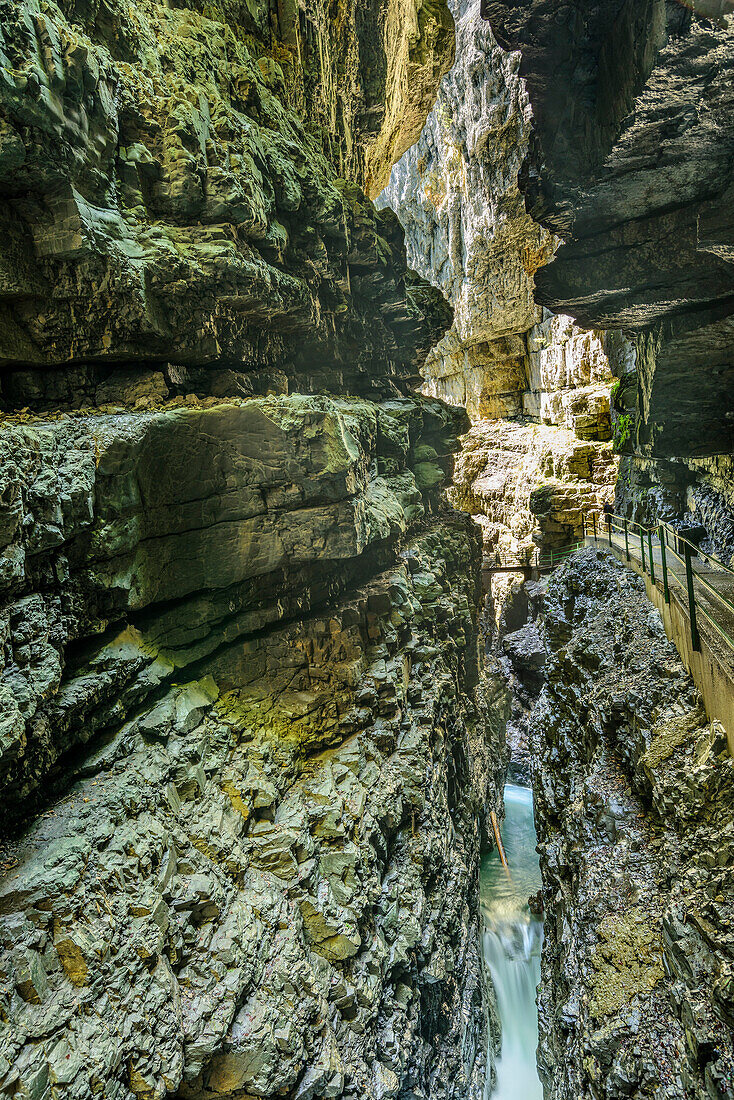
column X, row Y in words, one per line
column 173, row 193
column 634, row 798
column 467, row 231
column 146, row 545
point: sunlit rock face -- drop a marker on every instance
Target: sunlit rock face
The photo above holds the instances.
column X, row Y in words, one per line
column 530, row 481
column 457, row 196
column 536, row 386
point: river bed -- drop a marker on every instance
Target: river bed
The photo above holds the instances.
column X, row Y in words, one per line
column 512, row 939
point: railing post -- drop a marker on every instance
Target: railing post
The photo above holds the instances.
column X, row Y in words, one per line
column 642, row 548
column 652, row 556
column 666, row 590
column 583, row 526
column 626, row 541
column 594, row 519
column 609, row 529
column 695, row 640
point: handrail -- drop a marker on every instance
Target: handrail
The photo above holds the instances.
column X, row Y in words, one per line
column 548, row 557
column 704, row 582
column 699, row 553
column 666, row 537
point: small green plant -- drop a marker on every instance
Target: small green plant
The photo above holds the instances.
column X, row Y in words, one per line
column 622, row 430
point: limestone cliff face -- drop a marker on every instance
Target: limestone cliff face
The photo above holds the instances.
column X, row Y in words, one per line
column 240, row 672
column 170, row 192
column 623, row 157
column 467, row 231
column 634, row 798
column 263, row 881
column 530, row 480
column 163, row 539
column 535, row 386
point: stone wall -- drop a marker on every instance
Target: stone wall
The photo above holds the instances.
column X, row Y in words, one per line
column 144, row 544
column 245, row 752
column 457, row 196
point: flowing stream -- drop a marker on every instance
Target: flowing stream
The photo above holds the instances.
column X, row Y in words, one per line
column 512, row 940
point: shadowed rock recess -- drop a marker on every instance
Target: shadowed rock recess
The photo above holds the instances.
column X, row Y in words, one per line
column 245, row 751
column 631, row 163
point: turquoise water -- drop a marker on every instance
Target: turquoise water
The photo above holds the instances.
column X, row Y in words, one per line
column 512, row 939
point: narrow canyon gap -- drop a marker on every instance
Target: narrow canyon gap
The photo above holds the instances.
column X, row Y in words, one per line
column 331, row 335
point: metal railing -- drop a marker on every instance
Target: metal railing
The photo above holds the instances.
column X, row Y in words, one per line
column 663, row 545
column 549, row 559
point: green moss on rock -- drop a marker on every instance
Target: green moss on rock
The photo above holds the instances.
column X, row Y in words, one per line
column 627, row 960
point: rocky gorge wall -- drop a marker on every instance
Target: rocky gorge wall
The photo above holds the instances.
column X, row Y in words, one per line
column 171, row 195
column 635, row 814
column 538, row 455
column 628, row 167
column 263, row 881
column 246, row 748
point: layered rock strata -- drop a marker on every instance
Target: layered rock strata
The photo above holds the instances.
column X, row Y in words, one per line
column 467, row 231
column 170, row 193
column 531, row 480
column 140, row 545
column 634, row 802
column 636, row 177
column 258, row 873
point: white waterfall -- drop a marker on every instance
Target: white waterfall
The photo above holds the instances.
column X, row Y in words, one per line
column 512, row 940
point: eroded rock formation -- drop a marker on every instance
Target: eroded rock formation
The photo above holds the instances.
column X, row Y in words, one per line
column 631, row 163
column 530, row 480
column 276, row 769
column 269, row 888
column 169, row 191
column 535, row 386
column 245, row 751
column 467, row 231
column 634, row 797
